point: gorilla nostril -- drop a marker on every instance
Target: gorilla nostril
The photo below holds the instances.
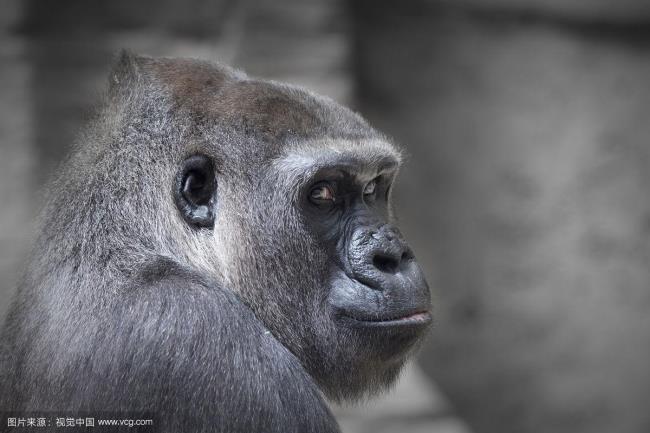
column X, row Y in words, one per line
column 386, row 263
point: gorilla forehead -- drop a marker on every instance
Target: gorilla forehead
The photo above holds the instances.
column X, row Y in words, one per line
column 272, row 111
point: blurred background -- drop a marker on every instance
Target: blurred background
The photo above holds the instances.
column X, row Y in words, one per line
column 525, row 194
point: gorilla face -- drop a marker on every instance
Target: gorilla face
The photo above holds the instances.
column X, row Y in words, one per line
column 375, row 281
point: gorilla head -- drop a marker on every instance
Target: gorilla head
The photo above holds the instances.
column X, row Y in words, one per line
column 290, row 194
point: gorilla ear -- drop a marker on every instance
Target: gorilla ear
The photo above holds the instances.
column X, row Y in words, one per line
column 195, row 191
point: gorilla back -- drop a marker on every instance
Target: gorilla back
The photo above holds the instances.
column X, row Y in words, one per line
column 218, row 251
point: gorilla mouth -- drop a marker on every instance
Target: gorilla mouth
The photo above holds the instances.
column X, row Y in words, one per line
column 359, row 305
column 417, row 318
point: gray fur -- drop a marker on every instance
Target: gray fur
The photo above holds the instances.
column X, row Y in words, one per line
column 124, row 307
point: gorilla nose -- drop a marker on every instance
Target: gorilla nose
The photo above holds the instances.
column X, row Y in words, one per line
column 390, row 254
column 389, row 263
column 380, row 256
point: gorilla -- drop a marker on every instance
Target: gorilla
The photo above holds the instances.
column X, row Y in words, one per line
column 219, row 251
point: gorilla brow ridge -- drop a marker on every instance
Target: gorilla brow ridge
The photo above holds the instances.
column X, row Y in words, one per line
column 300, row 163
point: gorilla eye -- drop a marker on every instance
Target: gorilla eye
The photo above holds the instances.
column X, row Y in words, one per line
column 370, row 187
column 195, row 191
column 321, row 194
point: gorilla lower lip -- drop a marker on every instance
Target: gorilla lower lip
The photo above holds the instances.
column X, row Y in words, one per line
column 418, row 318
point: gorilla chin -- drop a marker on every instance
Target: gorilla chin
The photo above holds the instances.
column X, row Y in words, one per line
column 389, row 324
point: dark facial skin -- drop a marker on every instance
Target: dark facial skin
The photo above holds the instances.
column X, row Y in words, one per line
column 376, row 282
column 377, row 292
